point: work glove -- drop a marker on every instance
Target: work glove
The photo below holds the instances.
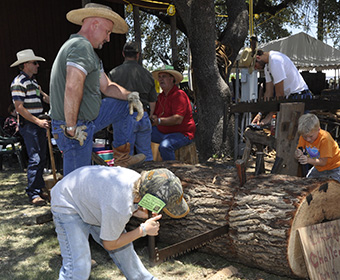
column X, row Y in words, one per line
column 79, row 133
column 134, row 103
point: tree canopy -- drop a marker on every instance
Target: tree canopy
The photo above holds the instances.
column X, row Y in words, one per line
column 201, row 23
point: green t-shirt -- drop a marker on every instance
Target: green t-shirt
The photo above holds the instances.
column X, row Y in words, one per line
column 77, row 52
column 134, row 77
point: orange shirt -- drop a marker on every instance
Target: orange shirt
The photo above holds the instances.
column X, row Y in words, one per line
column 323, row 147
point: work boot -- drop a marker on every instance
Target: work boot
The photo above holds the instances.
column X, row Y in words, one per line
column 123, row 158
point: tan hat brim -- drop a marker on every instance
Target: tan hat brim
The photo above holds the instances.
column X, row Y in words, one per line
column 179, row 211
column 77, row 17
column 32, row 58
column 178, row 76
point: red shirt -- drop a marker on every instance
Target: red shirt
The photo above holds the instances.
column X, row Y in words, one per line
column 176, row 103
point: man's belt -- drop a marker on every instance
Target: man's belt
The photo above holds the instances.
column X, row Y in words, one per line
column 306, row 91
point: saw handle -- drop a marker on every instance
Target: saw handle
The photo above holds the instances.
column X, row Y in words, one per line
column 151, row 243
column 304, row 167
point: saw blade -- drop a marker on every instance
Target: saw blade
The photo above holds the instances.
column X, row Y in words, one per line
column 187, row 245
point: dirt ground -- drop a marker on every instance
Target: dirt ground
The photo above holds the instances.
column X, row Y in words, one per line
column 30, row 251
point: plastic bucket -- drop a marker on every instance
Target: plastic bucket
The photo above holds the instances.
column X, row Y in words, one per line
column 98, row 149
column 106, row 155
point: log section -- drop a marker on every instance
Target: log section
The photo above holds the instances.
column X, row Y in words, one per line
column 263, row 214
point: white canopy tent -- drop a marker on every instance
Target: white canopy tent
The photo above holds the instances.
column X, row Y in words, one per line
column 306, row 52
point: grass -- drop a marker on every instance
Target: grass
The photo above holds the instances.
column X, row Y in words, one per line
column 31, row 251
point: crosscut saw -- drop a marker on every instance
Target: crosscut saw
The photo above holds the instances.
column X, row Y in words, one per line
column 157, row 256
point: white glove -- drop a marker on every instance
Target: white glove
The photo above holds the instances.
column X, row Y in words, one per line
column 79, row 133
column 134, row 103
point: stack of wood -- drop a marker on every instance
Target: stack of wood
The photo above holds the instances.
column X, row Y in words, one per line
column 263, row 214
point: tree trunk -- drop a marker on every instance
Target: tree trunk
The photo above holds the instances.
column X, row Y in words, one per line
column 262, row 215
column 212, row 93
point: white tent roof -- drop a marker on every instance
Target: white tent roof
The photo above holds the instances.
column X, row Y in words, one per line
column 306, row 52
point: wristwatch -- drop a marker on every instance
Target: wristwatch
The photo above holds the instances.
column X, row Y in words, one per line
column 143, row 229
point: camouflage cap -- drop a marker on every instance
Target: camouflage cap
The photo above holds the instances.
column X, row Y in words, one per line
column 163, row 184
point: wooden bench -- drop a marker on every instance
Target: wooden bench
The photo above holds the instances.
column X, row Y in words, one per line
column 187, row 154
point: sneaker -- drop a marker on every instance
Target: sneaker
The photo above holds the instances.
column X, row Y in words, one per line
column 38, row 201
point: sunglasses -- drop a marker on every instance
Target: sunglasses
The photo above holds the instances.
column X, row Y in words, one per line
column 34, row 62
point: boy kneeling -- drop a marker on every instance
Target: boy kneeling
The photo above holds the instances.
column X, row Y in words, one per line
column 319, row 149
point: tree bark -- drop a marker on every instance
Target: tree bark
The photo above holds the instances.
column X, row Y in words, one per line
column 262, row 215
column 212, row 93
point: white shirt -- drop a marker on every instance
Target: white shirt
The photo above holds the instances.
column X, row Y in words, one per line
column 281, row 68
column 100, row 195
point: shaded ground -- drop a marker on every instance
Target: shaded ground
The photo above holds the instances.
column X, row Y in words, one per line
column 31, row 251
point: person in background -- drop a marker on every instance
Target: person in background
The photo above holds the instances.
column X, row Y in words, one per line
column 173, row 124
column 318, row 149
column 77, row 82
column 11, row 127
column 27, row 97
column 100, row 201
column 135, row 77
column 282, row 77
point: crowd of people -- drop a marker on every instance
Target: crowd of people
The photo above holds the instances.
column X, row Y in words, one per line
column 100, row 200
column 78, row 111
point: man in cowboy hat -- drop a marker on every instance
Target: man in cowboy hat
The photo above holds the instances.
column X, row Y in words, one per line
column 135, row 77
column 173, row 124
column 27, row 97
column 282, row 76
column 77, row 81
column 100, row 201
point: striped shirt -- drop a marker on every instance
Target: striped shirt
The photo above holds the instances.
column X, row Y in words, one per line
column 27, row 90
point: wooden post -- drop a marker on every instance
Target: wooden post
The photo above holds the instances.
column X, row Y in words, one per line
column 241, row 171
column 174, row 42
column 287, row 137
column 259, row 166
column 137, row 31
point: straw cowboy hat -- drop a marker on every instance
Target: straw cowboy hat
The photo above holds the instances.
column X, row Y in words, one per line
column 170, row 70
column 248, row 60
column 26, row 55
column 96, row 10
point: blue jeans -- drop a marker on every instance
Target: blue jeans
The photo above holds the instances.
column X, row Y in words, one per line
column 35, row 142
column 73, row 234
column 331, row 174
column 140, row 135
column 169, row 143
column 112, row 111
column 303, row 95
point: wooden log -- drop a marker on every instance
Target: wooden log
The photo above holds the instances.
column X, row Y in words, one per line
column 186, row 154
column 263, row 215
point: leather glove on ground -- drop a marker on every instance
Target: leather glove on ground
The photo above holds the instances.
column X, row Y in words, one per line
column 134, row 103
column 79, row 134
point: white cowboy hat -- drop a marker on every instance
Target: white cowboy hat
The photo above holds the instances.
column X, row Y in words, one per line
column 168, row 69
column 96, row 10
column 26, row 55
column 248, row 60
